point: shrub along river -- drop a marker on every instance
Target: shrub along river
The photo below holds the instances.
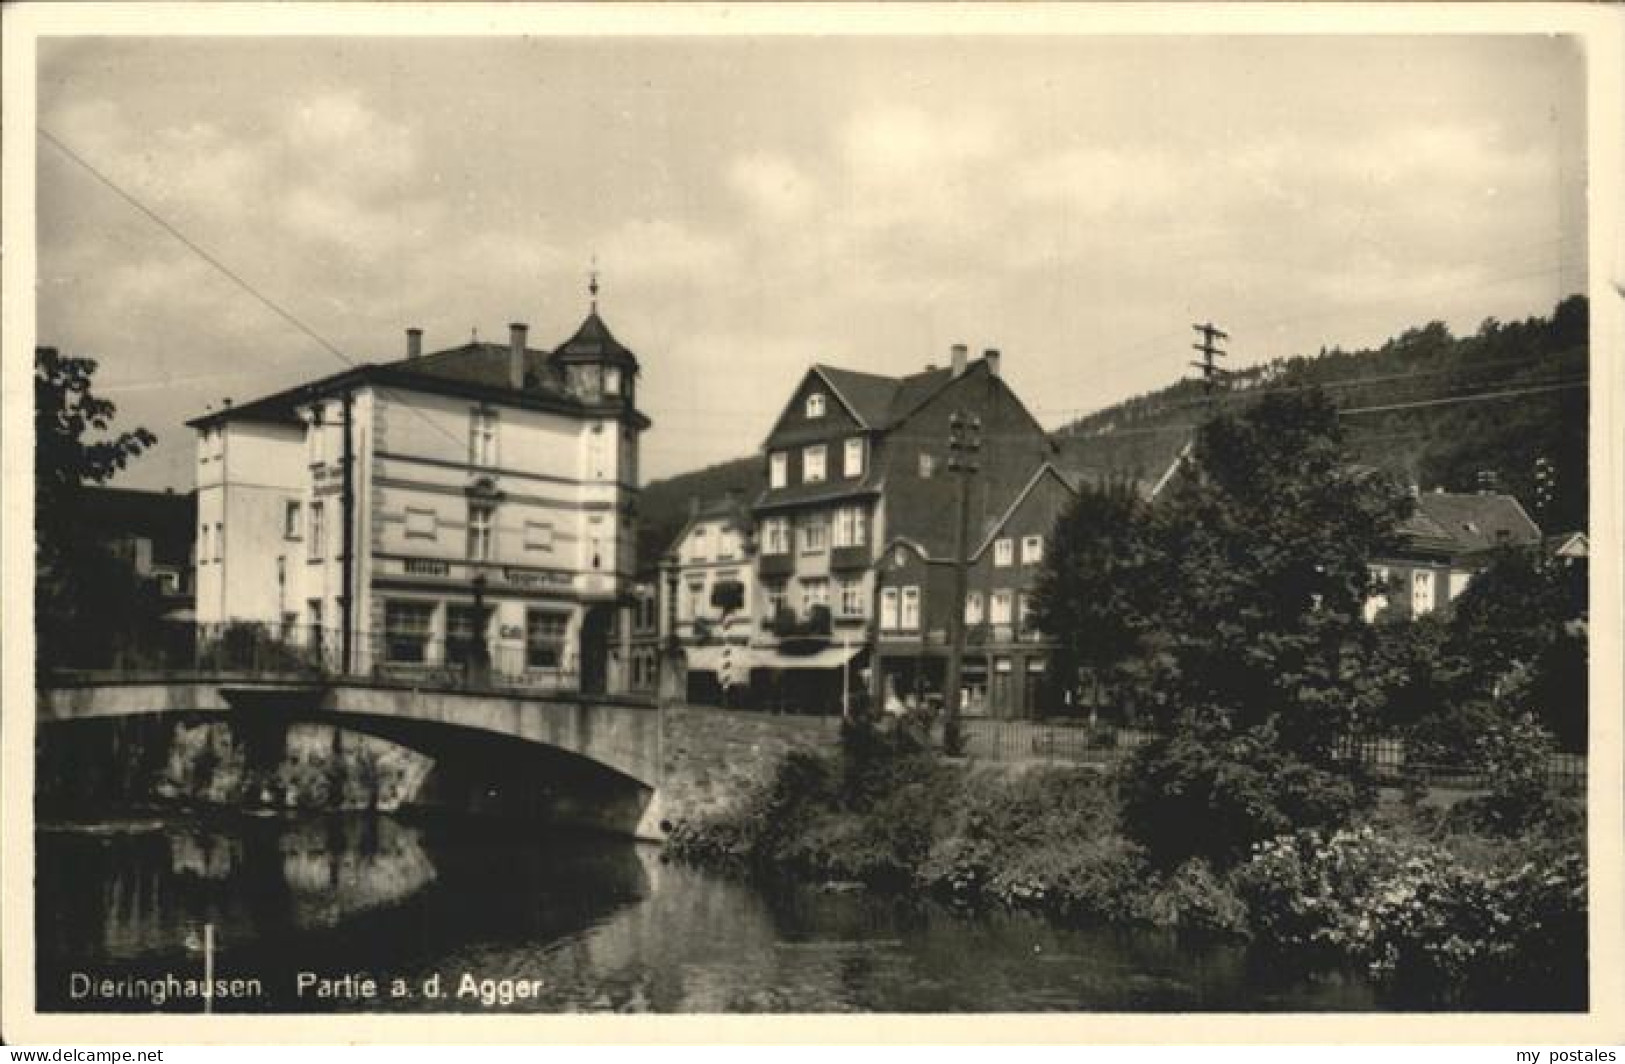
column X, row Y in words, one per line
column 361, row 912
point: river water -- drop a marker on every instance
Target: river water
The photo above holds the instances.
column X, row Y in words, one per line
column 375, row 913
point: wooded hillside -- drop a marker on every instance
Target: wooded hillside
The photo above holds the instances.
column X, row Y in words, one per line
column 1435, row 408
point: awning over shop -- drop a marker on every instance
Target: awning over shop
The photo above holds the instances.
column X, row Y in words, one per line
column 827, row 658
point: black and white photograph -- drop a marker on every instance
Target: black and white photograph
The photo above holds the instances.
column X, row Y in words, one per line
column 595, row 511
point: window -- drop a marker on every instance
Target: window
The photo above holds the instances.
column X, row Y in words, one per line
column 727, row 544
column 850, row 530
column 694, row 604
column 480, row 533
column 1024, row 611
column 544, row 638
column 538, row 535
column 612, row 380
column 1004, row 551
column 697, row 544
column 812, row 463
column 888, row 608
column 814, row 593
column 1422, row 592
column 910, row 619
column 973, row 608
column 1032, row 550
column 219, row 540
column 778, row 469
column 776, row 535
column 999, row 610
column 465, row 634
column 815, row 404
column 318, row 532
column 313, row 610
column 318, row 437
column 774, row 595
column 851, row 603
column 482, row 438
column 853, row 464
column 291, row 519
column 928, row 465
column 205, row 550
column 406, row 630
column 420, row 524
column 814, row 535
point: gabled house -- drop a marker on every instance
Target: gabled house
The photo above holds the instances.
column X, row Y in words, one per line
column 1005, row 654
column 857, row 460
column 1448, row 539
column 469, row 507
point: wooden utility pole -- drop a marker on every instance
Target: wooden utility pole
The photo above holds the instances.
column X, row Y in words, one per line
column 964, row 444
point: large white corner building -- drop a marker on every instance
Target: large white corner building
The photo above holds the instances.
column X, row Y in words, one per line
column 472, row 506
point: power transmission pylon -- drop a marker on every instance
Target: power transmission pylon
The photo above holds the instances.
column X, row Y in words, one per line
column 1210, row 350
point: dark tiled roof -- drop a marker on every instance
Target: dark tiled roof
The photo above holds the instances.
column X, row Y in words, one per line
column 880, row 402
column 594, row 341
column 818, row 492
column 480, row 362
column 276, row 409
column 916, row 388
column 1446, row 523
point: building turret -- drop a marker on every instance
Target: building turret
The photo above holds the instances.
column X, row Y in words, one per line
column 594, row 366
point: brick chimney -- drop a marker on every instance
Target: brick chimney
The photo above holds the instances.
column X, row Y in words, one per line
column 991, row 357
column 414, row 342
column 516, row 354
column 959, row 353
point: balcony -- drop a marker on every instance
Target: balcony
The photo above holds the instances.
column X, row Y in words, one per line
column 845, row 559
column 787, row 626
column 776, row 565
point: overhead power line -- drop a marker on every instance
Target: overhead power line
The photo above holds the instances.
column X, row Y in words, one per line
column 1468, row 397
column 236, row 278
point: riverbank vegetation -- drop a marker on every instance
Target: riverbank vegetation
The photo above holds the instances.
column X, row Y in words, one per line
column 1458, row 906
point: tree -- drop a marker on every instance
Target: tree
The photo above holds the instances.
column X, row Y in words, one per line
column 1268, row 540
column 1242, row 590
column 81, row 591
column 1097, row 590
column 1521, row 624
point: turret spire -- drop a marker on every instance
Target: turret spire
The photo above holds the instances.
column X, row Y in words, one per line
column 592, row 285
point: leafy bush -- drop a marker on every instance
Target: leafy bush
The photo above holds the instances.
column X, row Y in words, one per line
column 1194, row 898
column 1419, row 918
column 1214, row 794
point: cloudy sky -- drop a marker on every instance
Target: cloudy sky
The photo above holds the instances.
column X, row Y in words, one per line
column 757, row 204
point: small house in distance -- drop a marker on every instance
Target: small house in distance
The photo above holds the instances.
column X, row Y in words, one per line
column 1447, row 541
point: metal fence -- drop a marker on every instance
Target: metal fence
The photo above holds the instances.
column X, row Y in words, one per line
column 1020, row 740
column 1386, row 759
column 1389, row 761
column 178, row 649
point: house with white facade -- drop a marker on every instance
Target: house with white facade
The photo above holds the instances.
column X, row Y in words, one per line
column 470, row 508
column 1446, row 541
column 709, row 574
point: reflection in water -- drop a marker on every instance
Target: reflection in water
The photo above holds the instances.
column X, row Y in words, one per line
column 585, row 925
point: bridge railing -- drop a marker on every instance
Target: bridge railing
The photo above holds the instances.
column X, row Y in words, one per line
column 307, row 652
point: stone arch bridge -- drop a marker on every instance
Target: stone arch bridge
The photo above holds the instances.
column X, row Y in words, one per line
column 561, row 757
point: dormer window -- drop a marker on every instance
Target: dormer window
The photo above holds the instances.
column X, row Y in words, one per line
column 815, row 404
column 612, row 381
